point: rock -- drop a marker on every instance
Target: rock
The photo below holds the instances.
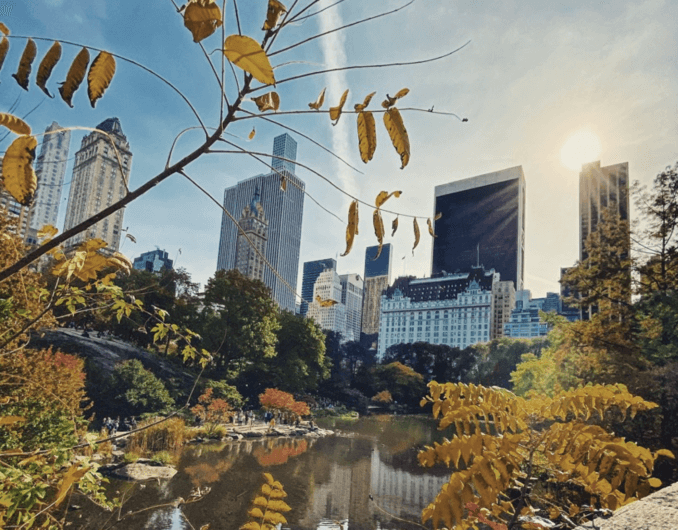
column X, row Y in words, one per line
column 254, row 434
column 140, row 472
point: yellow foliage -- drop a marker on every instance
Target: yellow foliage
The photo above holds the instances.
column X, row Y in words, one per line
column 318, row 102
column 76, row 73
column 267, row 507
column 269, row 101
column 202, row 18
column 503, row 441
column 100, row 76
column 14, row 124
column 399, row 137
column 47, row 64
column 273, row 14
column 352, row 228
column 27, row 57
column 417, row 235
column 18, row 174
column 335, row 112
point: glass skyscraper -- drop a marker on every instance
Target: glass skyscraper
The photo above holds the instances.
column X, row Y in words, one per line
column 284, row 211
column 482, row 223
column 312, row 270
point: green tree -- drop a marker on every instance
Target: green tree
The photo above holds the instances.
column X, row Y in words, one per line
column 499, row 357
column 135, row 390
column 300, row 364
column 240, row 321
column 434, row 361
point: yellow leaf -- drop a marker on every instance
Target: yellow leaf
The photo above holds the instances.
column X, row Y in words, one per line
column 14, row 124
column 251, row 135
column 325, row 303
column 275, row 11
column 93, row 244
column 274, row 518
column 278, row 506
column 360, row 107
column 76, row 73
column 100, row 76
column 390, row 101
column 27, row 57
column 384, row 196
column 438, row 216
column 430, row 227
column 11, row 420
column 378, row 223
column 47, row 231
column 72, row 476
column 246, row 53
column 4, row 29
column 269, row 101
column 318, row 102
column 655, row 482
column 396, row 130
column 4, row 48
column 255, row 512
column 205, row 527
column 278, row 494
column 416, row 235
column 335, row 112
column 367, row 136
column 47, row 64
column 664, row 452
column 260, row 501
column 394, row 226
column 202, row 18
column 17, row 169
column 352, row 228
column 252, row 525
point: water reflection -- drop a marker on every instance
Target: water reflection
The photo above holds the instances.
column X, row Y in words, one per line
column 329, row 481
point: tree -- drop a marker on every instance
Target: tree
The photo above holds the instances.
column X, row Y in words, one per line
column 434, row 361
column 300, row 364
column 135, row 390
column 212, row 410
column 529, row 441
column 498, row 358
column 240, row 321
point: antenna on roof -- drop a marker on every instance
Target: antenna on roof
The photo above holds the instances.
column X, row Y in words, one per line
column 478, row 253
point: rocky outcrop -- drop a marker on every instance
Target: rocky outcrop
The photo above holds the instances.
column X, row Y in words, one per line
column 140, row 471
column 658, row 511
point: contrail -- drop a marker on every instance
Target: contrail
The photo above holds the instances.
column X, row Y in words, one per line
column 334, row 55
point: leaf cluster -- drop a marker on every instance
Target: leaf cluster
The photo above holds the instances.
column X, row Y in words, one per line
column 268, row 506
column 502, row 442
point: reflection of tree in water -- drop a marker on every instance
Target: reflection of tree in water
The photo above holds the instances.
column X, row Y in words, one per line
column 205, row 473
column 167, row 518
column 275, row 454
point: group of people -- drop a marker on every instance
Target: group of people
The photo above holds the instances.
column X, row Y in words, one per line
column 113, row 425
column 246, row 417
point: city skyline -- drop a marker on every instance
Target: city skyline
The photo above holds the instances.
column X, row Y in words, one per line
column 533, row 75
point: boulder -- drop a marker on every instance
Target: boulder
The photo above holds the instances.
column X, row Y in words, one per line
column 137, row 471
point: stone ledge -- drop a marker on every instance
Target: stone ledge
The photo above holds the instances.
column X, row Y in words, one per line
column 658, row 511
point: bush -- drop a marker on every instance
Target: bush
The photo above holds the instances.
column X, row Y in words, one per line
column 136, row 390
column 130, row 457
column 163, row 458
column 166, row 436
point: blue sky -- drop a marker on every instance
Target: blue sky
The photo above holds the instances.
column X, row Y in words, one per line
column 534, row 73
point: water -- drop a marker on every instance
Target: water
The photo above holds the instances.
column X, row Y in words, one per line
column 328, row 480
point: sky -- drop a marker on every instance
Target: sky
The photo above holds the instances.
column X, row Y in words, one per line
column 533, row 74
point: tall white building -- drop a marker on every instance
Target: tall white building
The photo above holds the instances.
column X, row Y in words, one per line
column 50, row 168
column 330, row 318
column 453, row 309
column 352, row 298
column 248, row 254
column 98, row 181
column 504, row 293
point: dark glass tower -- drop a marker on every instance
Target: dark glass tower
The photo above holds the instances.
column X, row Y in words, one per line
column 312, row 270
column 482, row 223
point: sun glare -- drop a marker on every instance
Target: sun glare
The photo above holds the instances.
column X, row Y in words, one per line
column 580, row 148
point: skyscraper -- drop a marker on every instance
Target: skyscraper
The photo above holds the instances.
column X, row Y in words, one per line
column 482, row 223
column 50, row 168
column 352, row 298
column 153, row 261
column 377, row 279
column 14, row 210
column 284, row 211
column 99, row 181
column 330, row 318
column 601, row 188
column 312, row 270
column 248, row 254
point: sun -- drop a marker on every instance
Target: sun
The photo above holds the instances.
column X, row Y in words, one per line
column 580, row 148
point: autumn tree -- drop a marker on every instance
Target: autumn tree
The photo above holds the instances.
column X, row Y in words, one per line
column 212, row 410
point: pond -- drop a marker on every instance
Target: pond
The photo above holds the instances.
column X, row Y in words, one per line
column 328, row 480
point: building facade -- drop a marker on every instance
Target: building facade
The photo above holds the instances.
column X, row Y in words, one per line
column 153, row 261
column 50, row 168
column 525, row 322
column 377, row 279
column 331, row 317
column 248, row 254
column 14, row 210
column 482, row 223
column 98, row 181
column 284, row 212
column 453, row 309
column 504, row 293
column 601, row 188
column 312, row 270
column 352, row 298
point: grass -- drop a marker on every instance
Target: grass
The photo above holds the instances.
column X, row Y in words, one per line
column 167, row 436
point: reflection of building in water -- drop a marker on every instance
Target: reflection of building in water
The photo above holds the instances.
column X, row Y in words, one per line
column 402, row 493
column 345, row 495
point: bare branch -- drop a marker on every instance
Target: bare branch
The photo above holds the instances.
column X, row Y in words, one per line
column 357, row 67
column 295, row 131
column 318, row 35
column 237, row 16
column 294, row 19
column 347, row 111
